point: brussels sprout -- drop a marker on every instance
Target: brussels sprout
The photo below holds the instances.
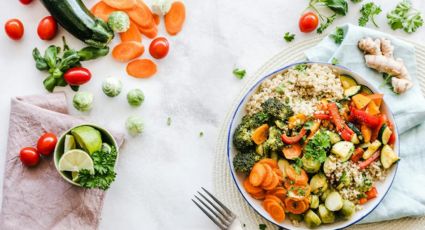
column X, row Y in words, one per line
column 134, row 125
column 334, row 201
column 314, row 201
column 330, row 165
column 310, row 165
column 326, row 215
column 161, row 7
column 112, row 86
column 106, row 148
column 297, row 217
column 318, row 183
column 334, row 137
column 348, row 209
column 119, row 21
column 135, row 97
column 82, row 101
column 311, row 219
column 325, row 195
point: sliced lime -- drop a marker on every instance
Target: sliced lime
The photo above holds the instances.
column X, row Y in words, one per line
column 69, row 143
column 76, row 160
column 88, row 138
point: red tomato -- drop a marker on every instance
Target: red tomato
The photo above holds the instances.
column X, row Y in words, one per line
column 29, row 156
column 47, row 28
column 14, row 29
column 77, row 76
column 25, row 2
column 308, row 22
column 159, row 47
column 47, row 143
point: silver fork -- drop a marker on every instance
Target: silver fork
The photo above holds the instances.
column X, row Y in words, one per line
column 217, row 211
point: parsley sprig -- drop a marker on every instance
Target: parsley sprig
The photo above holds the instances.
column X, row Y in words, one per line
column 405, row 17
column 289, row 37
column 239, row 73
column 338, row 36
column 338, row 7
column 368, row 12
column 318, row 147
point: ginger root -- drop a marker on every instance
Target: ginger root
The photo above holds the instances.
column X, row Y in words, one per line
column 379, row 56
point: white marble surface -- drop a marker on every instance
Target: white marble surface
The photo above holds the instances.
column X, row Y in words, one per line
column 160, row 171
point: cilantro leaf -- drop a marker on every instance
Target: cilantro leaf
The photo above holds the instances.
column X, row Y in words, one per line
column 318, row 147
column 289, row 37
column 239, row 73
column 368, row 12
column 338, row 36
column 301, row 67
column 405, row 17
column 324, row 25
column 262, row 226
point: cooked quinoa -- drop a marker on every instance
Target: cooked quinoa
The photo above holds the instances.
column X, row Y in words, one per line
column 301, row 89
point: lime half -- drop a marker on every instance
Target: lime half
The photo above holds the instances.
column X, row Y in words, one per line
column 76, row 160
column 69, row 143
column 88, row 138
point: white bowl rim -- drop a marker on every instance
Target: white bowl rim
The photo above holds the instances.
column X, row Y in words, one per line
column 254, row 87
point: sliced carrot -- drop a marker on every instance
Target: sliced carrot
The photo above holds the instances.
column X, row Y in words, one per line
column 280, row 192
column 279, row 174
column 277, row 212
column 257, row 175
column 260, row 134
column 102, row 10
column 150, row 32
column 298, row 192
column 175, row 18
column 268, row 161
column 141, row 15
column 251, row 189
column 132, row 34
column 296, row 206
column 300, row 178
column 120, row 4
column 267, row 203
column 366, row 133
column 141, row 68
column 126, row 51
column 292, row 151
column 259, row 196
column 275, row 198
column 156, row 19
column 273, row 184
column 268, row 179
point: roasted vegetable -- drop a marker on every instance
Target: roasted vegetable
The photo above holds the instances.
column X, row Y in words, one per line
column 243, row 162
column 334, row 201
column 343, row 150
column 311, row 219
column 314, row 201
column 311, row 165
column 277, row 109
column 388, row 156
column 348, row 209
column 318, row 183
column 326, row 215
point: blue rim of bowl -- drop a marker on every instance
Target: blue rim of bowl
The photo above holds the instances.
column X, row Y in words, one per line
column 255, row 86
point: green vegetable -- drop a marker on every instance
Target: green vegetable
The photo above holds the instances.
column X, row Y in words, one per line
column 325, row 195
column 318, row 183
column 277, row 109
column 274, row 142
column 334, row 201
column 318, row 147
column 311, row 219
column 405, row 17
column 334, row 137
column 329, row 165
column 343, row 150
column 338, row 36
column 83, row 101
column 242, row 136
column 134, row 125
column 301, row 67
column 314, row 201
column 91, row 53
column 337, row 7
column 104, row 173
column 348, row 209
column 385, row 134
column 368, row 12
column 373, row 147
column 244, row 161
column 239, row 73
column 388, row 157
column 326, row 215
column 356, row 1
column 289, row 37
column 135, row 97
column 201, row 134
column 77, row 20
column 335, row 61
column 262, row 226
column 106, row 148
column 168, row 121
column 310, row 165
column 112, row 86
column 119, row 21
column 325, row 24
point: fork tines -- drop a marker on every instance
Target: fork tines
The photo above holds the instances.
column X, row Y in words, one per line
column 214, row 209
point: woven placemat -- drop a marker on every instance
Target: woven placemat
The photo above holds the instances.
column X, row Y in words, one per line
column 224, row 186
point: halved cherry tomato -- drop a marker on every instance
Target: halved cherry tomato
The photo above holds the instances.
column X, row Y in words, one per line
column 294, row 139
column 159, row 48
column 77, row 76
column 47, row 28
column 47, row 143
column 25, row 2
column 14, row 29
column 308, row 22
column 29, row 156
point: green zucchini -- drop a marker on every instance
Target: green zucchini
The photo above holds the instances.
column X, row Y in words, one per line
column 334, row 137
column 343, row 150
column 385, row 134
column 347, row 81
column 353, row 90
column 74, row 16
column 373, row 147
column 388, row 156
column 365, row 90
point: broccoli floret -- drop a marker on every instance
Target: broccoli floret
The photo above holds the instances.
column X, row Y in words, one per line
column 255, row 120
column 243, row 162
column 274, row 143
column 242, row 137
column 276, row 109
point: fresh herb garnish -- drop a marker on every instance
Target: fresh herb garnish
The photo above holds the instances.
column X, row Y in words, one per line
column 301, row 67
column 169, row 121
column 239, row 73
column 262, row 226
column 280, row 89
column 405, row 17
column 338, row 7
column 338, row 36
column 356, row 1
column 298, row 165
column 368, row 12
column 308, row 125
column 318, row 147
column 325, row 24
column 201, row 134
column 289, row 37
column 104, row 173
column 335, row 61
column 387, row 81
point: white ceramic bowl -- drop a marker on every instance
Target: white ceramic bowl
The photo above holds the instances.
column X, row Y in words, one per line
column 382, row 186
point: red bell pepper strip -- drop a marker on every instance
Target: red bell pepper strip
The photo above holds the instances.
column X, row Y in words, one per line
column 364, row 118
column 294, row 139
column 322, row 116
column 372, row 193
column 374, row 157
column 382, row 120
column 346, row 135
column 358, row 153
column 392, row 137
column 345, row 131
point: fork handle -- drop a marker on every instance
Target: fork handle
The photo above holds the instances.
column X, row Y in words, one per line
column 236, row 225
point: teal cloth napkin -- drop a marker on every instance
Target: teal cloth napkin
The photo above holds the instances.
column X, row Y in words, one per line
column 407, row 194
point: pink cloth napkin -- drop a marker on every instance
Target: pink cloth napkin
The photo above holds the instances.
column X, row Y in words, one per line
column 38, row 198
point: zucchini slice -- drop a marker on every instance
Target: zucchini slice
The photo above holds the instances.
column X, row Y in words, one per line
column 347, row 81
column 334, row 137
column 355, row 130
column 353, row 90
column 334, row 201
column 365, row 90
column 343, row 150
column 388, row 157
column 373, row 147
column 385, row 134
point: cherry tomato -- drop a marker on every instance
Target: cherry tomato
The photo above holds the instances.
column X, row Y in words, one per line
column 77, row 76
column 47, row 28
column 25, row 2
column 47, row 143
column 14, row 29
column 159, row 47
column 29, row 156
column 308, row 22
